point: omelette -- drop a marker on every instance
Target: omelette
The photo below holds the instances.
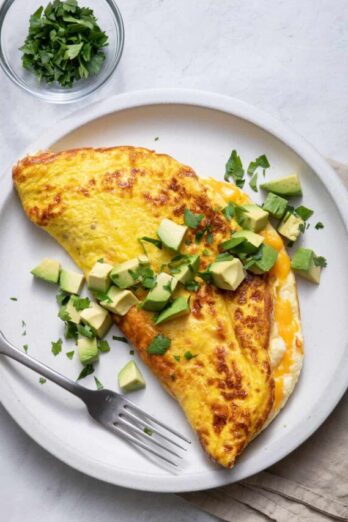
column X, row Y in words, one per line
column 247, row 345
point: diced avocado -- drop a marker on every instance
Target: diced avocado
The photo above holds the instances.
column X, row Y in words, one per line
column 99, row 277
column 268, row 257
column 159, row 296
column 171, row 234
column 48, row 270
column 69, row 308
column 251, row 242
column 88, row 349
column 180, row 306
column 124, row 275
column 97, row 318
column 303, row 264
column 227, row 275
column 121, row 301
column 253, row 218
column 275, row 205
column 130, row 378
column 71, row 282
column 185, row 272
column 290, row 226
column 287, row 186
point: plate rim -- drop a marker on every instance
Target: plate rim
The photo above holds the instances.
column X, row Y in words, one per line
column 332, row 184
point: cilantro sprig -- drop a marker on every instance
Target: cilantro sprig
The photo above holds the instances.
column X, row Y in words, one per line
column 64, row 43
column 235, row 170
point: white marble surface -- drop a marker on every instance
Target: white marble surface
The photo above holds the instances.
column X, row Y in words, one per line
column 288, row 58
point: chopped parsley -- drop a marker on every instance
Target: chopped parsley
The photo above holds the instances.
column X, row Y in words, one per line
column 56, row 347
column 177, row 357
column 156, row 139
column 23, row 324
column 206, row 252
column 101, row 260
column 62, row 298
column 234, row 169
column 319, row 225
column 200, row 234
column 70, row 331
column 304, row 212
column 189, row 356
column 24, row 333
column 25, row 348
column 145, row 276
column 192, row 286
column 102, row 296
column 63, row 314
column 228, row 211
column 159, row 345
column 320, row 261
column 98, row 384
column 81, row 303
column 103, row 346
column 206, row 276
column 153, row 241
column 87, row 370
column 70, row 355
column 148, row 431
column 13, row 298
column 118, row 338
column 168, row 286
column 64, row 43
column 131, row 352
column 42, row 380
column 253, row 183
column 191, row 219
column 261, row 162
column 85, row 330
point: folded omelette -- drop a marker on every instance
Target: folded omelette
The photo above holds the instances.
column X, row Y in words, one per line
column 247, row 344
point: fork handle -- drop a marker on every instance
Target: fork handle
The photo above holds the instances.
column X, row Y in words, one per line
column 6, row 348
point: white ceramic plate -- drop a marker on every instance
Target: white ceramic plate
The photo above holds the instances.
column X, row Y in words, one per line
column 199, row 129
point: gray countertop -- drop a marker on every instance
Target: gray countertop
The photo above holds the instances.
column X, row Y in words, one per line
column 288, row 58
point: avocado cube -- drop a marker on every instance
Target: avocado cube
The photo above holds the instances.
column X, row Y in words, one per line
column 130, row 378
column 69, row 308
column 286, row 186
column 171, row 234
column 121, row 301
column 179, row 307
column 253, row 218
column 228, row 275
column 97, row 318
column 185, row 272
column 99, row 277
column 275, row 205
column 269, row 256
column 159, row 296
column 88, row 349
column 290, row 226
column 303, row 264
column 71, row 282
column 48, row 270
column 125, row 274
column 251, row 243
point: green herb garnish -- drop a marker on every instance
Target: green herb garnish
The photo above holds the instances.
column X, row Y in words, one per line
column 101, row 260
column 148, row 431
column 42, row 380
column 131, row 352
column 56, row 347
column 118, row 338
column 177, row 357
column 253, row 183
column 320, row 261
column 319, row 225
column 13, row 298
column 87, row 370
column 103, row 346
column 192, row 286
column 189, row 355
column 159, row 345
column 153, row 241
column 304, row 212
column 98, row 384
column 70, row 355
column 191, row 219
column 63, row 314
column 102, row 296
column 70, row 331
column 81, row 303
column 228, row 211
column 64, row 43
column 25, row 348
column 85, row 330
column 62, row 298
column 261, row 162
column 234, row 169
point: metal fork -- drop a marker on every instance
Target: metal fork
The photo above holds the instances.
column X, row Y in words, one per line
column 114, row 412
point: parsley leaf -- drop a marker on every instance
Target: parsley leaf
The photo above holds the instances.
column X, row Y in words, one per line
column 103, row 346
column 63, row 314
column 253, row 183
column 85, row 330
column 98, row 384
column 189, row 355
column 304, row 212
column 191, row 219
column 234, row 169
column 159, row 345
column 228, row 211
column 156, row 242
column 118, row 338
column 177, row 357
column 25, row 348
column 56, row 347
column 13, row 298
column 320, row 261
column 81, row 303
column 87, row 370
column 261, row 161
column 62, row 298
column 319, row 225
column 70, row 355
column 192, row 286
column 102, row 296
column 70, row 331
column 148, row 431
column 42, row 380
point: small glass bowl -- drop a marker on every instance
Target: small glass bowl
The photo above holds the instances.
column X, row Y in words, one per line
column 14, row 26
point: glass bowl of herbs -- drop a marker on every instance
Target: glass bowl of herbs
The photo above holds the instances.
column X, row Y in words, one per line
column 60, row 50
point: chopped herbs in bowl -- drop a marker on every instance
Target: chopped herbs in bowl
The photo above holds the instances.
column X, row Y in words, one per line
column 64, row 43
column 62, row 50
